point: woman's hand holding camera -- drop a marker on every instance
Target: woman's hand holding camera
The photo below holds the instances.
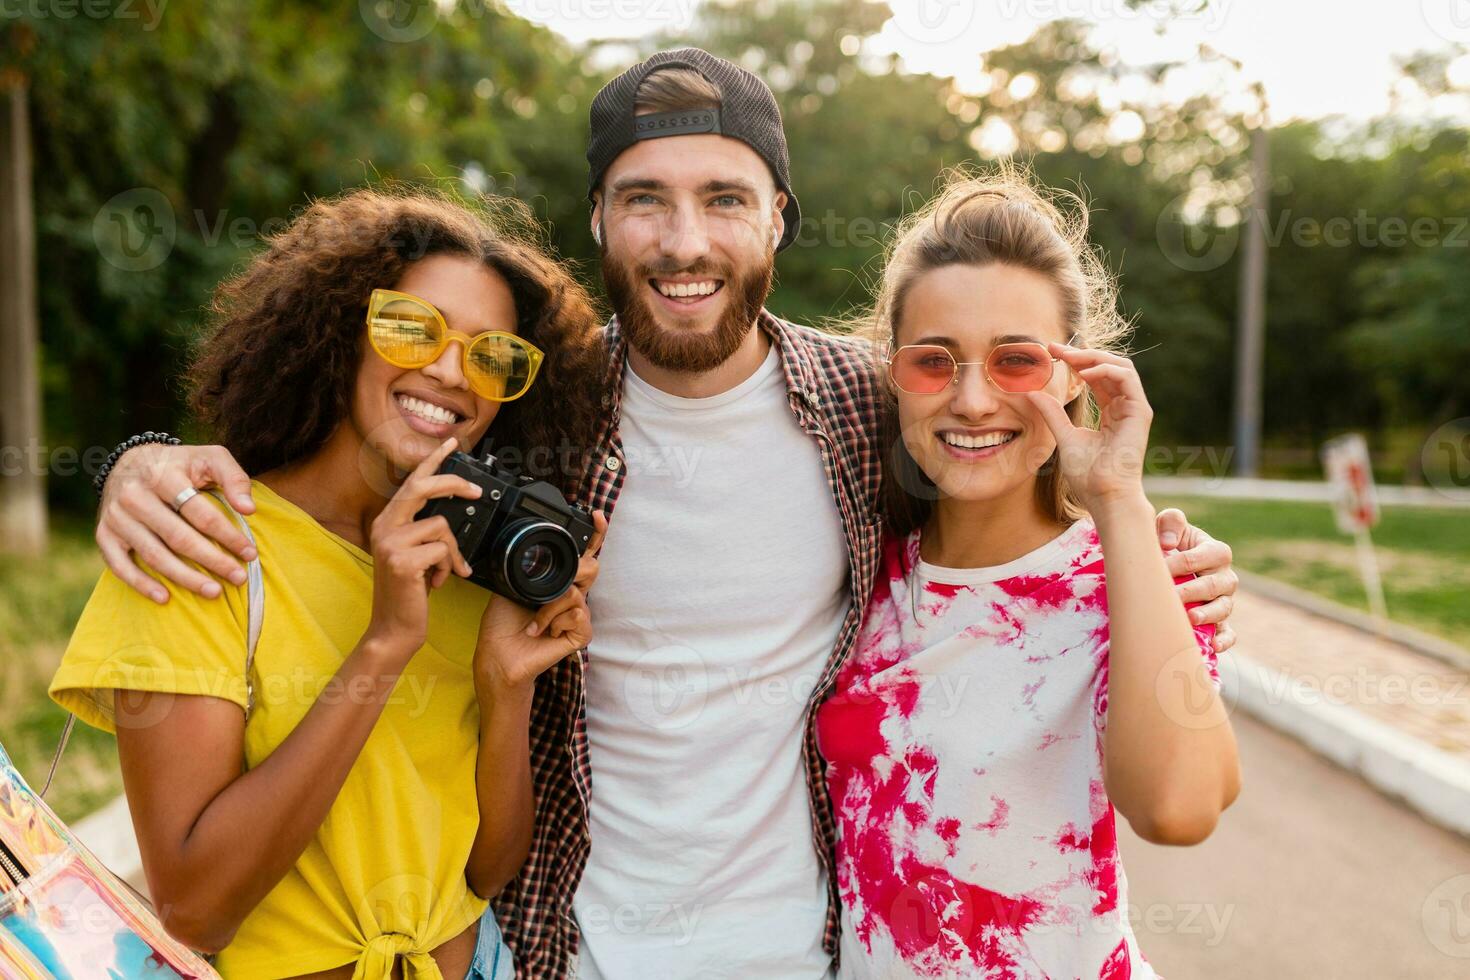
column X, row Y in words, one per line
column 411, row 558
column 517, row 645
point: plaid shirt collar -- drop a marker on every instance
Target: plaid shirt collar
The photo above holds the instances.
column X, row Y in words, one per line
column 797, row 363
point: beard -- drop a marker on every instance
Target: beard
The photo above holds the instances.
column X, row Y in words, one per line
column 686, row 350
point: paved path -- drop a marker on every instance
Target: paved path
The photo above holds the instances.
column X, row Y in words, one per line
column 1312, row 875
column 1418, row 695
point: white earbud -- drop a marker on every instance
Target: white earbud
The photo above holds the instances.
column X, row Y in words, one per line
column 775, row 238
column 597, row 233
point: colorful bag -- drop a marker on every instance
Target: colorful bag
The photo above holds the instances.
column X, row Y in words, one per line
column 63, row 915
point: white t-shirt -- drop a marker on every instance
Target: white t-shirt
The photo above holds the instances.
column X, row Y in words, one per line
column 965, row 748
column 722, row 590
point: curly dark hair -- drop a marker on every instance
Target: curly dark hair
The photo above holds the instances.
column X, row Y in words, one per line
column 274, row 376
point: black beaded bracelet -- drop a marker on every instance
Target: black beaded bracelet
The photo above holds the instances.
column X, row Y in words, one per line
column 142, row 439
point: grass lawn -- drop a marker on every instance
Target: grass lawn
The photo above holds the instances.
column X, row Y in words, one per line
column 40, row 600
column 1423, row 555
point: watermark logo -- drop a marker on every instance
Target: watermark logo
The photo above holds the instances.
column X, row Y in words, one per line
column 1446, row 917
column 407, row 21
column 150, row 12
column 933, row 21
column 1194, row 246
column 1204, row 244
column 1188, row 694
column 399, row 21
column 675, row 922
column 135, row 230
column 1446, row 457
column 1211, row 13
column 1450, row 19
column 666, row 688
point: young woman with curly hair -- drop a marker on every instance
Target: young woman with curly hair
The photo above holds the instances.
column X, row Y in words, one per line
column 347, row 808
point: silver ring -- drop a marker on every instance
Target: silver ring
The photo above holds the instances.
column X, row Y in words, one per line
column 183, row 497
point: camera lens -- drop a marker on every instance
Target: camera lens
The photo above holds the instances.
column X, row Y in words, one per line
column 537, row 562
column 537, row 559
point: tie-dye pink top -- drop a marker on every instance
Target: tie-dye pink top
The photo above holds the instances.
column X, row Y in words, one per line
column 964, row 742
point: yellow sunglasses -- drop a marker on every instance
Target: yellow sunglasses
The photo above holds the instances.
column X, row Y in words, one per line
column 409, row 332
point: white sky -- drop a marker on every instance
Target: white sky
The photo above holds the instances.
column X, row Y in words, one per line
column 1315, row 57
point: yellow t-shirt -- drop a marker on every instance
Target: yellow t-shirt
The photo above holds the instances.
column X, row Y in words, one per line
column 385, row 873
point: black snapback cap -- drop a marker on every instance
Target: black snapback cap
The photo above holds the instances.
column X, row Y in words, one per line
column 748, row 113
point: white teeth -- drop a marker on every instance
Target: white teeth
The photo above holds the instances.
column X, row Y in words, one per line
column 426, row 411
column 688, row 288
column 977, row 442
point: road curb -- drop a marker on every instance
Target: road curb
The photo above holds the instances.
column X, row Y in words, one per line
column 1417, row 640
column 1434, row 783
column 1306, row 491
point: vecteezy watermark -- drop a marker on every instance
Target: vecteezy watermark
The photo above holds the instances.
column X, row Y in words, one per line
column 667, row 688
column 399, row 21
column 1445, row 917
column 38, row 459
column 1450, row 19
column 1186, row 692
column 150, row 12
column 674, row 921
column 406, row 21
column 928, row 907
column 1182, row 919
column 406, row 898
column 296, row 687
column 135, row 230
column 1213, row 12
column 933, row 21
column 832, row 230
column 300, row 686
column 1361, row 687
column 1445, row 457
column 1204, row 919
column 1208, row 462
column 1202, row 245
column 1191, row 244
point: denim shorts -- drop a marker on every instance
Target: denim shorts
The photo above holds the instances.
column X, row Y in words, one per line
column 492, row 957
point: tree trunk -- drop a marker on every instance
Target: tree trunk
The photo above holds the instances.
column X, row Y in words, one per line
column 22, row 466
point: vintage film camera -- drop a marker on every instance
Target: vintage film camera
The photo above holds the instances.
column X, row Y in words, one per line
column 521, row 538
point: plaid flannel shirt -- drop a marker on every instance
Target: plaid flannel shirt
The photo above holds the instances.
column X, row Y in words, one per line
column 834, row 397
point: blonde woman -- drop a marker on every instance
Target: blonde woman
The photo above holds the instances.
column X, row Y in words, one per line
column 1026, row 668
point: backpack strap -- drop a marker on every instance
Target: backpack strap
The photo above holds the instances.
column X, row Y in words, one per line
column 255, row 604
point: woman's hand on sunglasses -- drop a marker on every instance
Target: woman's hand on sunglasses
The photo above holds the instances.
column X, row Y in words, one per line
column 137, row 517
column 1105, row 463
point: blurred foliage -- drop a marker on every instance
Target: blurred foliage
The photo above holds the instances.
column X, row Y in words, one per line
column 237, row 112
